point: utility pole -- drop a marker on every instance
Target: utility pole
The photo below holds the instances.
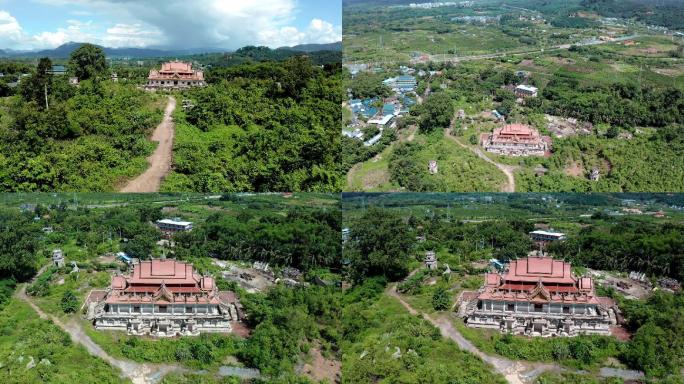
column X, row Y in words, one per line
column 46, row 98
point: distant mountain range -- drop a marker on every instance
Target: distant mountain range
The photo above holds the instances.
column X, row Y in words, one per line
column 64, row 50
column 315, row 47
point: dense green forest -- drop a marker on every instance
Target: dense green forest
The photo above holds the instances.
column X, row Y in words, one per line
column 253, row 54
column 267, row 121
column 622, row 104
column 56, row 136
column 306, row 240
column 668, row 13
column 627, row 245
column 261, row 127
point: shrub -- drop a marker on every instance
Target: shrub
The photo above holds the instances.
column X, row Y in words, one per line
column 441, row 299
column 69, row 303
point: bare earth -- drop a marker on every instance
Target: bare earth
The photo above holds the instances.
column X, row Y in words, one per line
column 322, row 369
column 160, row 160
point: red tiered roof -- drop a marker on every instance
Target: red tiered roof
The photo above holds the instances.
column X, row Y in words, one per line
column 176, row 66
column 168, row 271
column 532, row 269
column 538, row 279
column 175, row 70
column 516, row 133
column 163, row 281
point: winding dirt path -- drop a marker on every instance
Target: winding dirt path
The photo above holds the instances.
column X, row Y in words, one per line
column 512, row 371
column 515, row 371
column 136, row 372
column 506, row 169
column 160, row 160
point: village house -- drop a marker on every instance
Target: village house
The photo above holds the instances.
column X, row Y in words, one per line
column 163, row 298
column 401, row 84
column 526, row 91
column 174, row 75
column 57, row 70
column 543, row 238
column 538, row 296
column 516, row 140
column 172, row 226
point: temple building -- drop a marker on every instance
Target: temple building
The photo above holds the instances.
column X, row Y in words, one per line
column 175, row 75
column 163, row 298
column 538, row 296
column 516, row 140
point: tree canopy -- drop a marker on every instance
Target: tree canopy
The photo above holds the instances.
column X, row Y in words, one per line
column 87, row 61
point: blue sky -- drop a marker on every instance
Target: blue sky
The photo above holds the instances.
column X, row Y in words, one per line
column 228, row 24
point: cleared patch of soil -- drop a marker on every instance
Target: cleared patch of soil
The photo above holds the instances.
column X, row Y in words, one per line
column 321, row 368
column 375, row 179
column 574, row 169
column 562, row 60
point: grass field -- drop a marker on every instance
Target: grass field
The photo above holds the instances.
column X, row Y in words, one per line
column 459, row 169
column 378, row 33
column 25, row 337
column 425, row 356
column 372, row 175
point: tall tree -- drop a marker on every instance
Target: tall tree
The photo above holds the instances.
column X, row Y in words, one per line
column 87, row 61
column 437, row 112
column 38, row 86
column 380, row 246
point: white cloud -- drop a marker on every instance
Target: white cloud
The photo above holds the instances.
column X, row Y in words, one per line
column 319, row 31
column 76, row 30
column 178, row 23
column 132, row 35
column 10, row 30
column 13, row 36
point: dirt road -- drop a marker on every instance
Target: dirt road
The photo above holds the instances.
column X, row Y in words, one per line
column 136, row 372
column 509, row 369
column 506, row 169
column 515, row 371
column 160, row 160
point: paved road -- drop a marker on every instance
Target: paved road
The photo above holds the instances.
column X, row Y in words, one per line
column 515, row 371
column 160, row 160
column 561, row 47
